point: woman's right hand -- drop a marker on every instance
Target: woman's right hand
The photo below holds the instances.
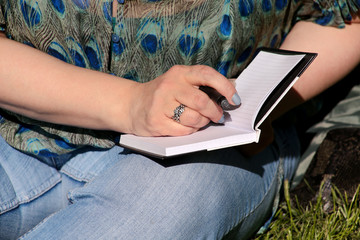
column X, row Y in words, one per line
column 154, row 102
column 50, row 90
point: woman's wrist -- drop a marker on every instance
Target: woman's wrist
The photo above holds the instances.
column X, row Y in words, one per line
column 117, row 106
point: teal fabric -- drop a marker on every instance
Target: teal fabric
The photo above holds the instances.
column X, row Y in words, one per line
column 143, row 41
column 345, row 114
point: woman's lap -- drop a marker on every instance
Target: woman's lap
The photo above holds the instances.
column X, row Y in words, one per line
column 203, row 195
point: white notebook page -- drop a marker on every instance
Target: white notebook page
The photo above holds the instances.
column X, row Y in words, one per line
column 256, row 82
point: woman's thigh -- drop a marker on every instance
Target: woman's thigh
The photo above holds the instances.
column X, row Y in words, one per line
column 30, row 190
column 27, row 215
column 203, row 195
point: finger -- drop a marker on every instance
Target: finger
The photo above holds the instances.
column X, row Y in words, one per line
column 200, row 75
column 166, row 126
column 200, row 102
column 173, row 128
column 189, row 118
column 177, row 129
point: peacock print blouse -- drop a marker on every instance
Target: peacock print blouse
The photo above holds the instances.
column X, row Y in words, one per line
column 142, row 41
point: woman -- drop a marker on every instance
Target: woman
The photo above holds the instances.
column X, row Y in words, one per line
column 85, row 78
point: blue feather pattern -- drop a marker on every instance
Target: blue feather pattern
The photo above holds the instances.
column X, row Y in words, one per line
column 82, row 4
column 191, row 41
column 150, row 36
column 56, row 50
column 31, row 12
column 76, row 52
column 92, row 52
column 225, row 28
column 59, row 6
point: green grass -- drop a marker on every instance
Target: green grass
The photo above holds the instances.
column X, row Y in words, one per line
column 294, row 221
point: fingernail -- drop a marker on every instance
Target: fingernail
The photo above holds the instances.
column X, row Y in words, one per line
column 236, row 99
column 222, row 119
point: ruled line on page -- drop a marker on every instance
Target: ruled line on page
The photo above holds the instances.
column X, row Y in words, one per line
column 256, row 83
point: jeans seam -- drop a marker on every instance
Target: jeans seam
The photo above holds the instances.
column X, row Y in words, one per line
column 46, row 186
column 78, row 176
column 9, row 205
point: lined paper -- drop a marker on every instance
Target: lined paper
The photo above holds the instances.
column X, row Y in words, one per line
column 256, row 83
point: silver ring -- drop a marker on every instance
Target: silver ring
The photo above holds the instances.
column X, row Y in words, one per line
column 177, row 112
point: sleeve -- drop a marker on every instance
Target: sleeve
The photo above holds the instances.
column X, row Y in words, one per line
column 2, row 21
column 329, row 12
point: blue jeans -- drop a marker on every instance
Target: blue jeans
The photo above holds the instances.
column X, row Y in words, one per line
column 117, row 194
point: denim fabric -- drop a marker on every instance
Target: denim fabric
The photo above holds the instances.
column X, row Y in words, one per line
column 18, row 221
column 117, row 194
column 22, row 178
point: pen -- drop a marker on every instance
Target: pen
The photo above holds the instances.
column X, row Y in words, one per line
column 218, row 98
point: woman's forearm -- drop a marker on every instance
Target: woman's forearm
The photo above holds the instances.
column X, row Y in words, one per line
column 42, row 87
column 338, row 53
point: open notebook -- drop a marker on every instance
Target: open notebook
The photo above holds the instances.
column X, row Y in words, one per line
column 264, row 82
